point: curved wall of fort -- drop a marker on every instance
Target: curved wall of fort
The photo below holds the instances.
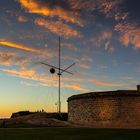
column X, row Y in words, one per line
column 118, row 109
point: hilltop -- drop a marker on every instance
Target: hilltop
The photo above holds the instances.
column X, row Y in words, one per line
column 35, row 119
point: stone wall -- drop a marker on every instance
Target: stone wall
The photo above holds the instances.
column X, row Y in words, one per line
column 106, row 111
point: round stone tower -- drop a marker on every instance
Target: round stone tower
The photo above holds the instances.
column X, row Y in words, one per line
column 138, row 88
column 113, row 109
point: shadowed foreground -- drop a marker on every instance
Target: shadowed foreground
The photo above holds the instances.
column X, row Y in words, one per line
column 68, row 134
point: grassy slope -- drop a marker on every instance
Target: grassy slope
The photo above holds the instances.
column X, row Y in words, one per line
column 68, row 134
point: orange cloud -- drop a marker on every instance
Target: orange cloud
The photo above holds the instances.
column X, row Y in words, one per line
column 6, row 58
column 23, row 73
column 33, row 6
column 110, row 8
column 12, row 58
column 77, row 87
column 22, row 19
column 43, row 80
column 58, row 27
column 107, row 6
column 23, row 47
column 29, row 74
column 18, row 46
column 104, row 83
column 74, row 87
column 130, row 34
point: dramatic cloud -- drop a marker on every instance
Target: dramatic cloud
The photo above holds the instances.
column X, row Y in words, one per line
column 43, row 80
column 110, row 8
column 72, row 10
column 23, row 47
column 30, row 74
column 58, row 27
column 50, row 9
column 18, row 46
column 60, row 13
column 130, row 34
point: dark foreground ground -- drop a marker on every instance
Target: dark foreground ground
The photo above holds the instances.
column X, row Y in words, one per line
column 68, row 134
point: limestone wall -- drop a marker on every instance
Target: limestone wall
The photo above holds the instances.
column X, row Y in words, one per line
column 106, row 111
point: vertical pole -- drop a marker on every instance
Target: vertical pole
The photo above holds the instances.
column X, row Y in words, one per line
column 59, row 75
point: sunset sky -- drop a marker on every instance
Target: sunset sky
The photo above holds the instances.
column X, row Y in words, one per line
column 101, row 36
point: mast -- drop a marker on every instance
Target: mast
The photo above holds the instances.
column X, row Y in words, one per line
column 59, row 75
column 60, row 71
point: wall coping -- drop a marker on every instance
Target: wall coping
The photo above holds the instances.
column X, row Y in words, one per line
column 120, row 93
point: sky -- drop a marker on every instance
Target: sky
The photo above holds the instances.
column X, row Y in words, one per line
column 101, row 36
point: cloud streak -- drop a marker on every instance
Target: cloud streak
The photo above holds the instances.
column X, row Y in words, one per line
column 58, row 27
column 14, row 59
column 31, row 74
column 18, row 46
column 77, row 87
column 23, row 47
column 6, row 58
column 130, row 34
column 51, row 9
column 108, row 84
